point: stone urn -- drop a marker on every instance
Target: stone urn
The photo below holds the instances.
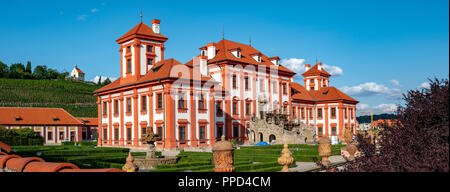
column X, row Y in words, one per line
column 223, row 156
column 325, row 150
column 129, row 165
column 285, row 160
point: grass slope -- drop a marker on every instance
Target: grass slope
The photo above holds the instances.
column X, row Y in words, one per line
column 74, row 97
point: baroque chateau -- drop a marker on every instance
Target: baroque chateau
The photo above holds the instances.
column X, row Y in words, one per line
column 216, row 93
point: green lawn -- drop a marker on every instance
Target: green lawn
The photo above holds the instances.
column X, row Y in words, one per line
column 83, row 156
column 246, row 159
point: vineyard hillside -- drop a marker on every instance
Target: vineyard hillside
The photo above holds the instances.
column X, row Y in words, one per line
column 74, row 97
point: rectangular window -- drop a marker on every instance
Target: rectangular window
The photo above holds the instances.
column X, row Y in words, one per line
column 312, row 88
column 201, row 102
column 105, row 108
column 61, row 135
column 144, row 130
column 144, row 103
column 274, row 87
column 202, row 132
column 303, row 113
column 116, row 134
column 319, row 113
column 310, row 113
column 320, row 131
column 261, row 84
column 333, row 131
column 149, row 48
column 149, row 61
column 50, row 135
column 345, row 113
column 128, row 49
column 293, row 112
column 159, row 99
column 219, row 108
column 234, row 82
column 116, row 106
column 284, row 89
column 182, row 133
column 234, row 108
column 311, row 81
column 128, row 134
column 247, row 108
column 105, row 134
column 246, row 83
column 235, row 131
column 181, row 101
column 333, row 112
column 129, row 66
column 128, row 105
column 160, row 132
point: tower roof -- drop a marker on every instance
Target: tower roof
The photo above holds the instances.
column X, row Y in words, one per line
column 141, row 30
column 315, row 71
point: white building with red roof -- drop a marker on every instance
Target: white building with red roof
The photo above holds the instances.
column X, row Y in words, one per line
column 214, row 94
column 77, row 74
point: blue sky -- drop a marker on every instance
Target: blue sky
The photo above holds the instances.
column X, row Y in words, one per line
column 376, row 49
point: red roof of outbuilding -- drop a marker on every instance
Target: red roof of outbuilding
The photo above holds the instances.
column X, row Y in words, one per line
column 36, row 116
column 79, row 71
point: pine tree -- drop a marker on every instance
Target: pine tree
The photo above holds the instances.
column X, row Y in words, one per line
column 99, row 80
column 28, row 69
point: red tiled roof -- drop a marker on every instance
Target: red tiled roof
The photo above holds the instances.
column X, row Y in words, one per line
column 88, row 121
column 79, row 71
column 161, row 70
column 5, row 158
column 315, row 71
column 301, row 92
column 48, row 167
column 223, row 53
column 141, row 30
column 330, row 93
column 18, row 164
column 36, row 116
column 5, row 147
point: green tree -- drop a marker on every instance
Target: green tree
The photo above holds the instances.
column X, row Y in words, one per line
column 52, row 74
column 3, row 70
column 40, row 72
column 16, row 71
column 106, row 82
column 99, row 81
column 28, row 69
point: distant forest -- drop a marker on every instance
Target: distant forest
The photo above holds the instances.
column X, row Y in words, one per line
column 366, row 118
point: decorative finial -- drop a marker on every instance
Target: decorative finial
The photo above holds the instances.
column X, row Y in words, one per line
column 250, row 40
column 141, row 15
column 223, row 31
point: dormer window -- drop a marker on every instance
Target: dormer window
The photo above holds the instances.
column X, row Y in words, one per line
column 256, row 57
column 275, row 60
column 54, row 118
column 236, row 52
column 18, row 118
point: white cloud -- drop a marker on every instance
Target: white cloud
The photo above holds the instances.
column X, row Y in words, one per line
column 381, row 108
column 298, row 66
column 82, row 17
column 424, row 85
column 333, row 70
column 371, row 89
column 95, row 80
column 294, row 64
column 94, row 10
column 395, row 82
